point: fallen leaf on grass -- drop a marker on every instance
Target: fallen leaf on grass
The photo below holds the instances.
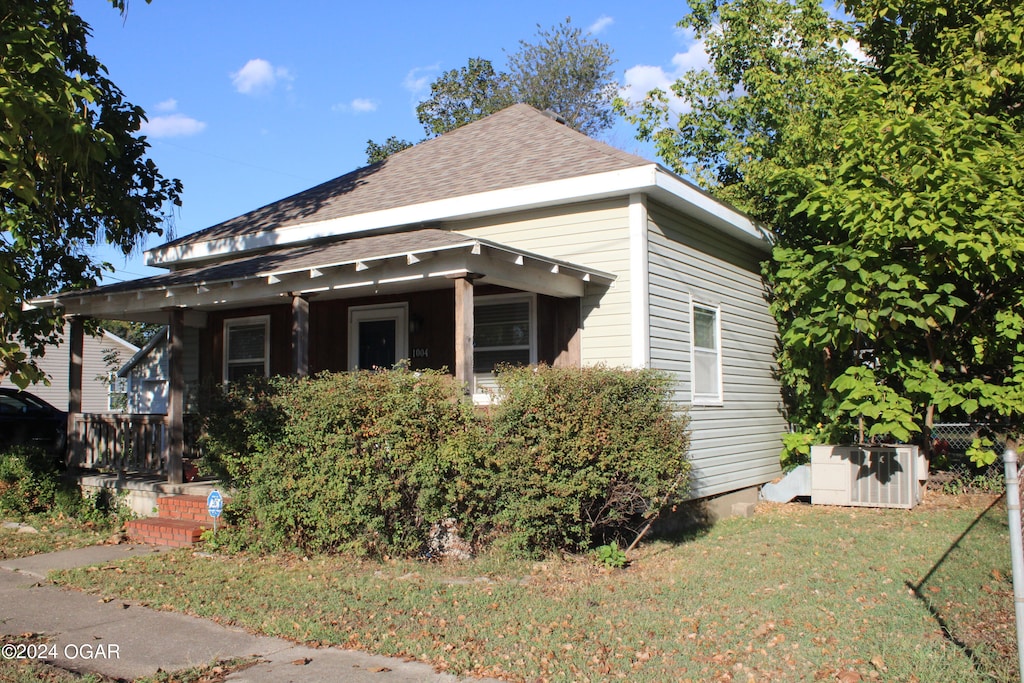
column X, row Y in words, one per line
column 879, row 663
column 849, row 677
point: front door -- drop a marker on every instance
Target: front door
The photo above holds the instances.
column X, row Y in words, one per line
column 378, row 336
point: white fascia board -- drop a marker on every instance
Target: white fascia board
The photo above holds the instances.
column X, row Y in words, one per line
column 570, row 190
column 107, row 334
column 695, row 202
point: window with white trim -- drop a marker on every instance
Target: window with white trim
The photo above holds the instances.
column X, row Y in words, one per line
column 504, row 332
column 246, row 347
column 117, row 392
column 706, row 353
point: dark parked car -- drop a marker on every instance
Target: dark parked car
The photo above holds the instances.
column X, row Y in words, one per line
column 29, row 420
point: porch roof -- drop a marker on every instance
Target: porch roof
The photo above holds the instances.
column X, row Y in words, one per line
column 377, row 264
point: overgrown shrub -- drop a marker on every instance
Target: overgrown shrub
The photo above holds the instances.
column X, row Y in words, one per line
column 28, row 480
column 368, row 461
column 31, row 482
column 582, row 453
column 363, row 461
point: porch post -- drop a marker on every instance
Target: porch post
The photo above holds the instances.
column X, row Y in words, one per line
column 73, row 456
column 300, row 336
column 175, row 442
column 464, row 330
column 567, row 331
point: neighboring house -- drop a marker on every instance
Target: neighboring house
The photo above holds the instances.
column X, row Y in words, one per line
column 101, row 358
column 512, row 239
column 145, row 376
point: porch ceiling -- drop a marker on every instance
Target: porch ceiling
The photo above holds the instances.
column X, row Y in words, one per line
column 407, row 261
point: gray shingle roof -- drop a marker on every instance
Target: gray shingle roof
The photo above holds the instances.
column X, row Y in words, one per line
column 290, row 258
column 514, row 147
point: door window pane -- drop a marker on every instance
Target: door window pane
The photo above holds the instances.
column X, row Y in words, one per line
column 377, row 344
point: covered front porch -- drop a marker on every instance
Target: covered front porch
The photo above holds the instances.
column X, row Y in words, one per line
column 430, row 297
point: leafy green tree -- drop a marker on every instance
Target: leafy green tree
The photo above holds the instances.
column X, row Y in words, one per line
column 376, row 151
column 566, row 70
column 767, row 103
column 136, row 333
column 897, row 201
column 569, row 72
column 463, row 95
column 73, row 173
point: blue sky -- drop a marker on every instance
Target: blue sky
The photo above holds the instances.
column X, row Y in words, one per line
column 249, row 102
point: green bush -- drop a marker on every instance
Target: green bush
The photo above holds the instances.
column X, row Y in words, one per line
column 583, row 453
column 362, row 461
column 28, row 480
column 32, row 482
column 368, row 461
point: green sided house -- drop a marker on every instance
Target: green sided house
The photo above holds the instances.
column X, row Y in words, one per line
column 512, row 239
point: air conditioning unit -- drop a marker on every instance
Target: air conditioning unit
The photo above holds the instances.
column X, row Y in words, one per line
column 868, row 476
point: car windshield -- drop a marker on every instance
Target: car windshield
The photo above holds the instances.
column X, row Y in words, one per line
column 19, row 403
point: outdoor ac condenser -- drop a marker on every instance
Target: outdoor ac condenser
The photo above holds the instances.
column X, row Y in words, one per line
column 868, row 476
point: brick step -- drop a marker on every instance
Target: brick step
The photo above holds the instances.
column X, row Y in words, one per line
column 177, row 533
column 188, row 507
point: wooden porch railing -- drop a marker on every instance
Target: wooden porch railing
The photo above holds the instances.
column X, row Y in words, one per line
column 129, row 443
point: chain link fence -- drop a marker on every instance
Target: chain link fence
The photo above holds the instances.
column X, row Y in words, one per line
column 950, row 443
column 952, row 439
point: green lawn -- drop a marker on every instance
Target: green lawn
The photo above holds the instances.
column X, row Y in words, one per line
column 794, row 593
column 49, row 533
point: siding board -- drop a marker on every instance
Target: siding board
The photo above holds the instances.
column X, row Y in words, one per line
column 57, row 364
column 736, row 444
column 594, row 234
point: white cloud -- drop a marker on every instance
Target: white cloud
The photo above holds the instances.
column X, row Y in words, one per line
column 359, row 105
column 362, row 105
column 419, row 78
column 167, row 105
column 603, row 22
column 259, row 76
column 171, row 126
column 642, row 78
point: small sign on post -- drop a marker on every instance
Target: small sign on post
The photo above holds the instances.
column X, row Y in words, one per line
column 215, row 504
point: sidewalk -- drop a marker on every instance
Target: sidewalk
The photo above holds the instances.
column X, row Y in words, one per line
column 124, row 640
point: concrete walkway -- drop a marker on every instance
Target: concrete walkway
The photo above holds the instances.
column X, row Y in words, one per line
column 125, row 640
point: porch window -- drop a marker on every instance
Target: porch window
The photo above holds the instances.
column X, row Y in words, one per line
column 706, row 357
column 504, row 331
column 246, row 347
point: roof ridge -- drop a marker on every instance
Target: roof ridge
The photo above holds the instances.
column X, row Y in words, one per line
column 515, row 147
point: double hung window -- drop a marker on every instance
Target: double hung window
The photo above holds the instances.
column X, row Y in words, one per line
column 246, row 347
column 706, row 358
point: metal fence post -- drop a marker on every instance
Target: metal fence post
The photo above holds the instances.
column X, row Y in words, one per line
column 1016, row 549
